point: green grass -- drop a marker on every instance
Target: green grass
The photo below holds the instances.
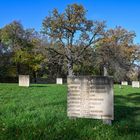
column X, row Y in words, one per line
column 39, row 113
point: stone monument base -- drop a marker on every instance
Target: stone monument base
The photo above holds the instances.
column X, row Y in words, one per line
column 136, row 84
column 124, row 83
column 24, row 80
column 59, row 81
column 90, row 97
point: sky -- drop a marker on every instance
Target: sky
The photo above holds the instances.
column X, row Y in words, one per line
column 30, row 13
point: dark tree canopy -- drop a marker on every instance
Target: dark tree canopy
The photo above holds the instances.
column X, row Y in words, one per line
column 22, row 46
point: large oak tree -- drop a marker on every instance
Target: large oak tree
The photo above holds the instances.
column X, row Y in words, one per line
column 72, row 33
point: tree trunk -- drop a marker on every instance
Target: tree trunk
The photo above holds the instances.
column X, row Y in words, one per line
column 35, row 76
column 70, row 68
column 59, row 69
column 101, row 70
column 105, row 71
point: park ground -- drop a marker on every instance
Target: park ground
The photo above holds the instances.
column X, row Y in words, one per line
column 40, row 113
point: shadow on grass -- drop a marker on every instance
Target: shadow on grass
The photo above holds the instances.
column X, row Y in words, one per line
column 126, row 118
column 135, row 97
column 39, row 86
column 44, row 85
column 127, row 113
column 130, row 98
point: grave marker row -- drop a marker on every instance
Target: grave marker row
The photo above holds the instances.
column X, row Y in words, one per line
column 24, row 80
column 135, row 84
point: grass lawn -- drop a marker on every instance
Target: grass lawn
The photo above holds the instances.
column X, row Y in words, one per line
column 39, row 113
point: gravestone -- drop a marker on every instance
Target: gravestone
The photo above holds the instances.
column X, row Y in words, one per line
column 24, row 80
column 124, row 83
column 120, row 86
column 90, row 97
column 135, row 84
column 59, row 81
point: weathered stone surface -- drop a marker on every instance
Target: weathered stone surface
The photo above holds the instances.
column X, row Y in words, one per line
column 90, row 97
column 59, row 81
column 24, row 80
column 124, row 83
column 136, row 84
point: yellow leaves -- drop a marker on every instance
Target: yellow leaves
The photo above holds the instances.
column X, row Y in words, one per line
column 35, row 67
column 127, row 51
column 35, row 61
column 35, row 41
column 21, row 56
column 106, row 40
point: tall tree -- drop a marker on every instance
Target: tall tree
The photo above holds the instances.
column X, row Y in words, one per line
column 116, row 51
column 70, row 31
column 4, row 59
column 12, row 36
column 24, row 46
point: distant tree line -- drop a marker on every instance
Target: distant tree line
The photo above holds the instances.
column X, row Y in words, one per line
column 68, row 44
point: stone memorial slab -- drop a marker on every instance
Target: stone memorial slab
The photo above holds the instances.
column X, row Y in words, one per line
column 124, row 83
column 90, row 97
column 24, row 80
column 59, row 81
column 136, row 84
